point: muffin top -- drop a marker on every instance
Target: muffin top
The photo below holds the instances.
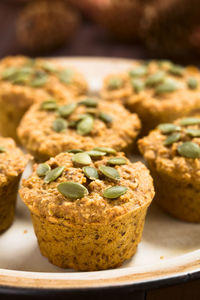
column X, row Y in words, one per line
column 50, row 127
column 175, row 148
column 42, row 74
column 155, row 83
column 94, row 186
column 12, row 160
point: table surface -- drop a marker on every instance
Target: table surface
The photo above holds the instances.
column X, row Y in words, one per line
column 92, row 41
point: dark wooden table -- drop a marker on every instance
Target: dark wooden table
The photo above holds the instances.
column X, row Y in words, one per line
column 92, row 41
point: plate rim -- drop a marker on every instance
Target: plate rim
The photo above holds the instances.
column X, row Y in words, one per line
column 27, row 284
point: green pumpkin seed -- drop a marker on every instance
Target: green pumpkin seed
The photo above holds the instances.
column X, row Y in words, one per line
column 74, row 151
column 43, row 169
column 138, row 71
column 72, row 124
column 105, row 118
column 115, row 192
column 189, row 121
column 172, row 138
column 138, row 85
column 168, row 86
column 82, row 158
column 193, row 132
column 59, row 125
column 66, row 76
column 2, row 149
column 109, row 172
column 117, row 161
column 168, row 128
column 8, row 73
column 85, row 126
column 155, row 78
column 89, row 102
column 66, row 110
column 49, row 104
column 176, row 70
column 72, row 190
column 106, row 149
column 53, row 174
column 192, row 83
column 115, row 83
column 21, row 78
column 91, row 173
column 189, row 150
column 39, row 81
column 164, row 63
column 95, row 153
column 49, row 67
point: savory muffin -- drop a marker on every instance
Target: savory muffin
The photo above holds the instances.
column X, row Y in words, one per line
column 49, row 128
column 24, row 81
column 158, row 91
column 172, row 152
column 88, row 208
column 12, row 164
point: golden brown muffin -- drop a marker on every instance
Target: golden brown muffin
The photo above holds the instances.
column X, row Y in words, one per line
column 88, row 208
column 158, row 91
column 24, row 81
column 12, row 164
column 47, row 130
column 172, row 152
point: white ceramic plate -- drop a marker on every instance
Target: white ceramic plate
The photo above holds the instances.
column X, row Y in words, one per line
column 169, row 248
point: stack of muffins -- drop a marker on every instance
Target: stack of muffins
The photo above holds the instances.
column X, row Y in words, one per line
column 87, row 200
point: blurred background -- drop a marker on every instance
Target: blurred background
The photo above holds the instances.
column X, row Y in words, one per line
column 115, row 28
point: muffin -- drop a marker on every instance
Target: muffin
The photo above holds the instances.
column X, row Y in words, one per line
column 88, row 208
column 24, row 81
column 158, row 91
column 49, row 128
column 12, row 164
column 172, row 152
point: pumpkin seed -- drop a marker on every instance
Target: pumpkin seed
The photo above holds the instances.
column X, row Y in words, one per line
column 105, row 117
column 85, row 126
column 21, row 78
column 172, row 138
column 115, row 83
column 155, row 78
column 168, row 128
column 43, row 169
column 72, row 124
column 192, row 83
column 91, row 173
column 176, row 70
column 39, row 81
column 138, row 71
column 193, row 132
column 115, row 192
column 189, row 150
column 89, row 102
column 59, row 125
column 74, row 151
column 49, row 67
column 2, row 149
column 8, row 73
column 66, row 110
column 82, row 158
column 49, row 104
column 66, row 76
column 168, row 86
column 117, row 161
column 189, row 121
column 95, row 153
column 138, row 85
column 109, row 172
column 106, row 149
column 72, row 190
column 53, row 174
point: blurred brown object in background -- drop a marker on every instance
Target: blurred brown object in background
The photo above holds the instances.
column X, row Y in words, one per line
column 172, row 27
column 43, row 25
column 120, row 18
